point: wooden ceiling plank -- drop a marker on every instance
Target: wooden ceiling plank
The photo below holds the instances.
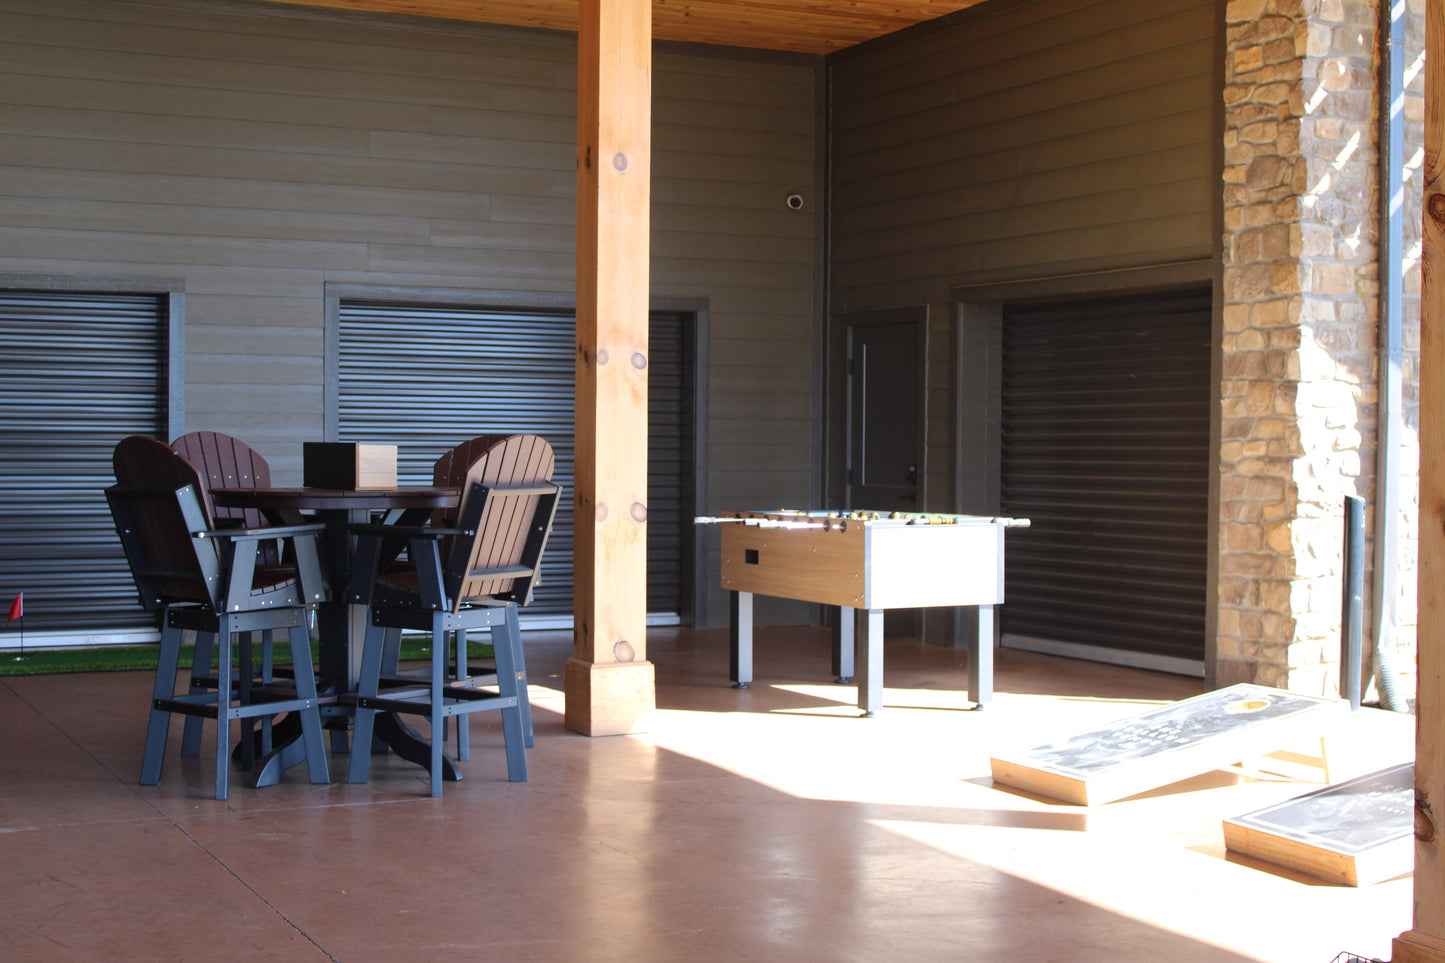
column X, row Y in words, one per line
column 798, row 26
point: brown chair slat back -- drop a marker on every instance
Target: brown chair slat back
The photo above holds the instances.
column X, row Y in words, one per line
column 505, row 525
column 156, row 514
column 226, row 462
column 450, row 471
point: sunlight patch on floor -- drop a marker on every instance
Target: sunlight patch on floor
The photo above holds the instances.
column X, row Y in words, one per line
column 1200, row 894
column 925, row 748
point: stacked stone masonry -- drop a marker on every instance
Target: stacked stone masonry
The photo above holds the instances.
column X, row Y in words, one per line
column 1300, row 335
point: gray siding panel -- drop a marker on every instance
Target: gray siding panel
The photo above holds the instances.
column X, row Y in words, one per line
column 260, row 154
column 1025, row 140
column 1021, row 148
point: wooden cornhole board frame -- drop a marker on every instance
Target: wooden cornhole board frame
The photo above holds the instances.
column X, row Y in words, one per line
column 1166, row 744
column 1358, row 832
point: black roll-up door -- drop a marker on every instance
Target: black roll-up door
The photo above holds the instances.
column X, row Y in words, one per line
column 78, row 372
column 426, row 377
column 670, row 458
column 1106, row 411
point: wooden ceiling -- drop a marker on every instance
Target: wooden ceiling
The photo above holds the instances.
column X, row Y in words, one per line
column 802, row 26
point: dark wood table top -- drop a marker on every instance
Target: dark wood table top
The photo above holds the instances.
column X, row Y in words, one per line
column 321, row 499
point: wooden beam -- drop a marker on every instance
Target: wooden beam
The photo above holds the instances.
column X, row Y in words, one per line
column 608, row 681
column 1425, row 940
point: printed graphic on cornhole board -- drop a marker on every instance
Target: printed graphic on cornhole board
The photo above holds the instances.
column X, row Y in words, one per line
column 1358, row 832
column 1169, row 743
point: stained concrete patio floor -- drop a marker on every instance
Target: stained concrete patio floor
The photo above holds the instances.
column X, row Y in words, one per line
column 771, row 824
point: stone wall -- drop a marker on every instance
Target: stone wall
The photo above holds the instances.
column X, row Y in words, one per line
column 1299, row 344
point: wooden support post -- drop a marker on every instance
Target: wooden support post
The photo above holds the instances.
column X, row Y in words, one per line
column 608, row 681
column 1425, row 940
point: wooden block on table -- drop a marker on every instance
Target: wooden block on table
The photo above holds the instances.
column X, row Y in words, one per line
column 347, row 466
column 1358, row 832
column 1169, row 743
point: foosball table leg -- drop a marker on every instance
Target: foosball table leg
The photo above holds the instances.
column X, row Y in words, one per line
column 870, row 663
column 843, row 645
column 740, row 639
column 980, row 660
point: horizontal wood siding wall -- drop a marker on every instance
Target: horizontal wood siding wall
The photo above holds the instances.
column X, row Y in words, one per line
column 733, row 136
column 260, row 152
column 1026, row 140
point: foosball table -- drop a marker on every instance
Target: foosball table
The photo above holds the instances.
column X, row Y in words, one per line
column 867, row 562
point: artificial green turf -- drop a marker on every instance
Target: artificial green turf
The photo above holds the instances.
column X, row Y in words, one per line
column 123, row 658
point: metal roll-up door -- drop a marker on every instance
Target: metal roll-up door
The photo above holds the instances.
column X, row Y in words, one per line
column 1106, row 412
column 78, row 372
column 670, row 447
column 426, row 377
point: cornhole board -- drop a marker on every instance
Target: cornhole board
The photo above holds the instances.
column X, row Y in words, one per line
column 1169, row 743
column 1358, row 832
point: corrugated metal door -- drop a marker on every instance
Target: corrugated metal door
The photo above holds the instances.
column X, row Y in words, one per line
column 1106, row 408
column 78, row 372
column 426, row 377
column 671, row 451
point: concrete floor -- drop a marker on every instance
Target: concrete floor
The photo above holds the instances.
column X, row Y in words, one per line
column 771, row 825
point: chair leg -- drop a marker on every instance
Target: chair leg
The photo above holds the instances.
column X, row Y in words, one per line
column 310, row 718
column 200, row 665
column 391, row 652
column 464, row 741
column 390, row 666
column 267, row 677
column 223, row 707
column 364, row 722
column 513, row 627
column 507, row 647
column 160, row 720
column 244, row 680
column 438, row 720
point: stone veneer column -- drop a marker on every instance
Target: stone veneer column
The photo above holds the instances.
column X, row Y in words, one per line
column 1300, row 291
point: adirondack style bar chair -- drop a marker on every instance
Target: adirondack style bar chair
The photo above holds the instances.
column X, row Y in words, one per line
column 468, row 571
column 211, row 581
column 521, row 463
column 223, row 461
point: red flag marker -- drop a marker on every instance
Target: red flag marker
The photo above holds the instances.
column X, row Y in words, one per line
column 17, row 609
